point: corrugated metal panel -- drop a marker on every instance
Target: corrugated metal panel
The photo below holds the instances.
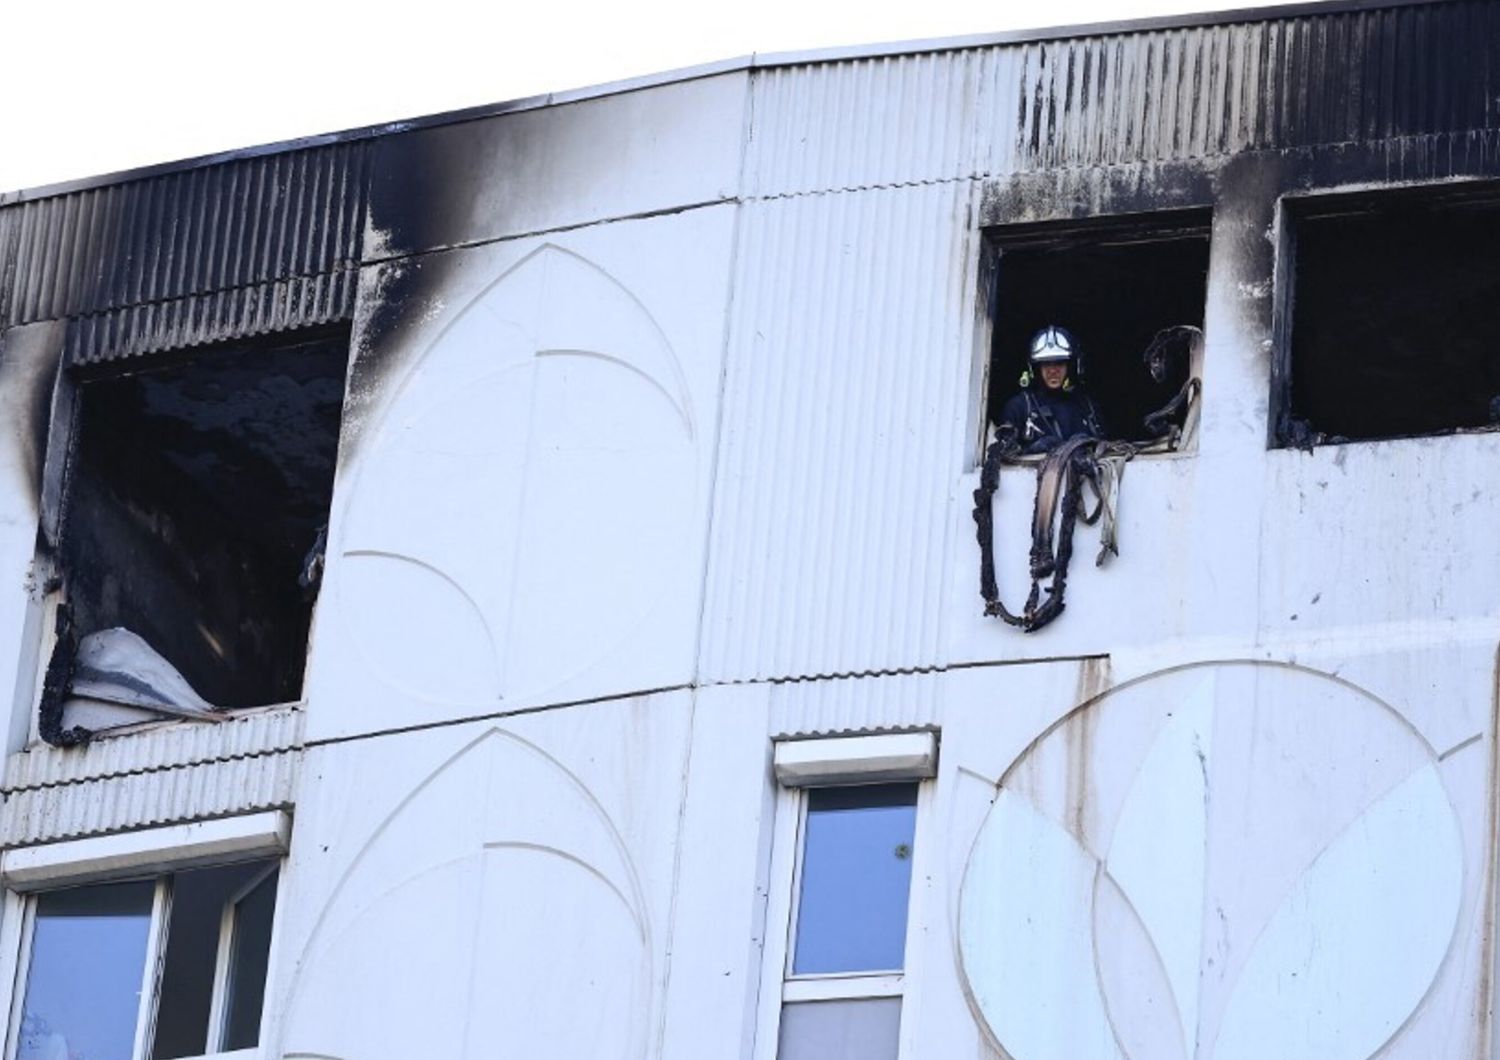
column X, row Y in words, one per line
column 238, row 313
column 141, row 800
column 885, row 121
column 237, row 224
column 860, row 704
column 186, row 743
column 1155, row 96
column 1213, row 90
column 831, row 506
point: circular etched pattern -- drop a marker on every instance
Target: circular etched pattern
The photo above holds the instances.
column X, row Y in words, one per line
column 1222, row 862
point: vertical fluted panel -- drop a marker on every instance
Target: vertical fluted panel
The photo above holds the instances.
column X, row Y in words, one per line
column 1203, row 91
column 890, row 120
column 855, row 704
column 186, row 233
column 1125, row 98
column 844, row 410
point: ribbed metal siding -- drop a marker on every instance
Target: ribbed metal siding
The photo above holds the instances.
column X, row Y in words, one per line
column 142, row 800
column 241, row 736
column 863, row 704
column 1117, row 99
column 1326, row 79
column 831, row 505
column 238, row 313
column 237, row 224
column 886, row 121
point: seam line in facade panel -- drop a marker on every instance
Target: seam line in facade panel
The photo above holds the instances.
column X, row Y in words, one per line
column 928, row 182
column 470, row 244
column 448, row 723
column 731, row 301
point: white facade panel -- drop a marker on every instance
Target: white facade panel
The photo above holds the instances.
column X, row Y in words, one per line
column 522, row 511
column 523, row 870
column 846, row 396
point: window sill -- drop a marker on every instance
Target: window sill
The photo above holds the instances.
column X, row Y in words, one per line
column 842, row 987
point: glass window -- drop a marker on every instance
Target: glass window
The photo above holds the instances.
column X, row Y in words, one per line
column 88, row 988
column 856, row 873
column 841, row 994
column 87, row 968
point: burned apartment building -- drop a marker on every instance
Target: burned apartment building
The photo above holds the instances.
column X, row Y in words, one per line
column 508, row 583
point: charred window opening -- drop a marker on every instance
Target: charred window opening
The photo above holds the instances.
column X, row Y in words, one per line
column 1394, row 310
column 196, row 499
column 1115, row 286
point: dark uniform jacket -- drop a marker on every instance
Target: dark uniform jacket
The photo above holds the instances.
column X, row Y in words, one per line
column 1040, row 419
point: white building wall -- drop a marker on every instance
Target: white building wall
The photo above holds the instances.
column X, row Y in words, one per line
column 660, row 445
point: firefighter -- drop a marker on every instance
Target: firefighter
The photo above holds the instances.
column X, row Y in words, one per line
column 1051, row 406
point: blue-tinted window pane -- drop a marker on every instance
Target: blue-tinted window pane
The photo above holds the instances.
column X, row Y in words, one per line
column 88, row 957
column 856, row 874
column 864, row 1029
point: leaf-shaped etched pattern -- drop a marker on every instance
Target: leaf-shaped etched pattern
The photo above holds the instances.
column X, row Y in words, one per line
column 515, row 929
column 540, row 459
column 1277, row 871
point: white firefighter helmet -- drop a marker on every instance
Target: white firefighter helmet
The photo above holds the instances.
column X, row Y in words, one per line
column 1053, row 344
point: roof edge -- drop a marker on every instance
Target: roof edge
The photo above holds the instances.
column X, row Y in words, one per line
column 740, row 64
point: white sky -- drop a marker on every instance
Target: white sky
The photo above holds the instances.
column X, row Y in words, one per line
column 95, row 86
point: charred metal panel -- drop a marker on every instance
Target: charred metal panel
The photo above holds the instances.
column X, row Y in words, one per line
column 648, row 151
column 1317, row 79
column 1138, row 97
column 213, row 317
column 249, row 222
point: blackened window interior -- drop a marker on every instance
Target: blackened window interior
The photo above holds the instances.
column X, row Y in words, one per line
column 1395, row 315
column 1114, row 286
column 196, row 491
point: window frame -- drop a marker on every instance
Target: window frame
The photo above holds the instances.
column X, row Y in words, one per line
column 1293, row 208
column 858, row 761
column 153, row 854
column 997, row 236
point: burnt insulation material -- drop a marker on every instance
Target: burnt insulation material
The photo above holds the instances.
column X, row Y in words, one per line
column 1396, row 316
column 195, row 493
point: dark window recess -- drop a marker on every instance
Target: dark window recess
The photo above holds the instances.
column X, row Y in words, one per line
column 196, row 502
column 1395, row 316
column 1114, row 285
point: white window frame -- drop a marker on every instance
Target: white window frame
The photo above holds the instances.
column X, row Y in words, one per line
column 884, row 758
column 149, row 854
